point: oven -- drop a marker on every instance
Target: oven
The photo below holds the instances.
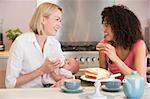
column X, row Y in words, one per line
column 84, row 52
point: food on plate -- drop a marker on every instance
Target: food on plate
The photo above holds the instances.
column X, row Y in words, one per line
column 96, row 73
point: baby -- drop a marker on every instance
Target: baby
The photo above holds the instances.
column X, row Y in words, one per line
column 57, row 77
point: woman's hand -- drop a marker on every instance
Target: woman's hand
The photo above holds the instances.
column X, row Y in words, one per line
column 50, row 65
column 108, row 49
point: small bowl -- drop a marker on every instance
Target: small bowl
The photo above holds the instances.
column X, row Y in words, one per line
column 72, row 84
column 114, row 84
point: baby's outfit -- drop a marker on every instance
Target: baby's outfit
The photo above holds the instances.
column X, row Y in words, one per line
column 53, row 54
column 48, row 81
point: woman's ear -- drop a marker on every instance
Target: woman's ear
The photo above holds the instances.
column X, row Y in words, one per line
column 42, row 20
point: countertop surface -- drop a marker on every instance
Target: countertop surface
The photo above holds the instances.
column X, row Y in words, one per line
column 56, row 93
column 4, row 54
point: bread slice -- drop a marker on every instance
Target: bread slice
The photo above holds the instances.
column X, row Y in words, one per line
column 96, row 73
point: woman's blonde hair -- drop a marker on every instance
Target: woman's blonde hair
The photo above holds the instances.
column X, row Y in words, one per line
column 43, row 10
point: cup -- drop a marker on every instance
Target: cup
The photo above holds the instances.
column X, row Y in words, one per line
column 114, row 84
column 72, row 84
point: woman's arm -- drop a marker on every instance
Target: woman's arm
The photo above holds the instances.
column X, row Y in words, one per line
column 139, row 59
column 102, row 60
column 21, row 80
column 47, row 67
column 109, row 50
column 122, row 66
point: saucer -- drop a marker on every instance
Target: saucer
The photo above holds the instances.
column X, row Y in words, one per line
column 110, row 90
column 64, row 89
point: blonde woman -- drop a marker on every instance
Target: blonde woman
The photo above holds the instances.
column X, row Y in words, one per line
column 29, row 53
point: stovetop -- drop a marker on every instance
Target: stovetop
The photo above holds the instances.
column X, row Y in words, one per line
column 79, row 46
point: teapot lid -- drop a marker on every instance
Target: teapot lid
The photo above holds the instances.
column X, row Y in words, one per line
column 133, row 75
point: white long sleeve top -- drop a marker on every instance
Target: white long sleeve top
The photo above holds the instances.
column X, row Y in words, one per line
column 26, row 56
column 47, row 79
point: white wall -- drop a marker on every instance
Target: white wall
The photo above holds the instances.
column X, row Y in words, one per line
column 16, row 13
column 148, row 9
column 139, row 7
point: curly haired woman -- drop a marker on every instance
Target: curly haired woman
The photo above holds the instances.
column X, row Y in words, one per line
column 123, row 49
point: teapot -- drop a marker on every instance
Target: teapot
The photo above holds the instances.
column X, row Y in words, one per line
column 133, row 85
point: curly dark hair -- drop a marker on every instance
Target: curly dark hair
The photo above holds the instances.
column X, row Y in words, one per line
column 124, row 24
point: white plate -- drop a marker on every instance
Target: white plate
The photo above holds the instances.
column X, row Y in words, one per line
column 111, row 90
column 80, row 89
column 93, row 80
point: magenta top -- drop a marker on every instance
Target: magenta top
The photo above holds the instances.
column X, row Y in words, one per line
column 128, row 61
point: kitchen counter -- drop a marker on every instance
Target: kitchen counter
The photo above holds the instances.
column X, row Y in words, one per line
column 56, row 93
column 3, row 59
column 4, row 54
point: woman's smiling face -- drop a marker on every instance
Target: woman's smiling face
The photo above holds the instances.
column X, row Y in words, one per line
column 108, row 34
column 52, row 23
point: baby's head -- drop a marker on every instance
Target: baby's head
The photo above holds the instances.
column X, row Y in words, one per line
column 72, row 65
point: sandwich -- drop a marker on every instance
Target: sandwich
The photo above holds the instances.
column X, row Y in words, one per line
column 97, row 73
